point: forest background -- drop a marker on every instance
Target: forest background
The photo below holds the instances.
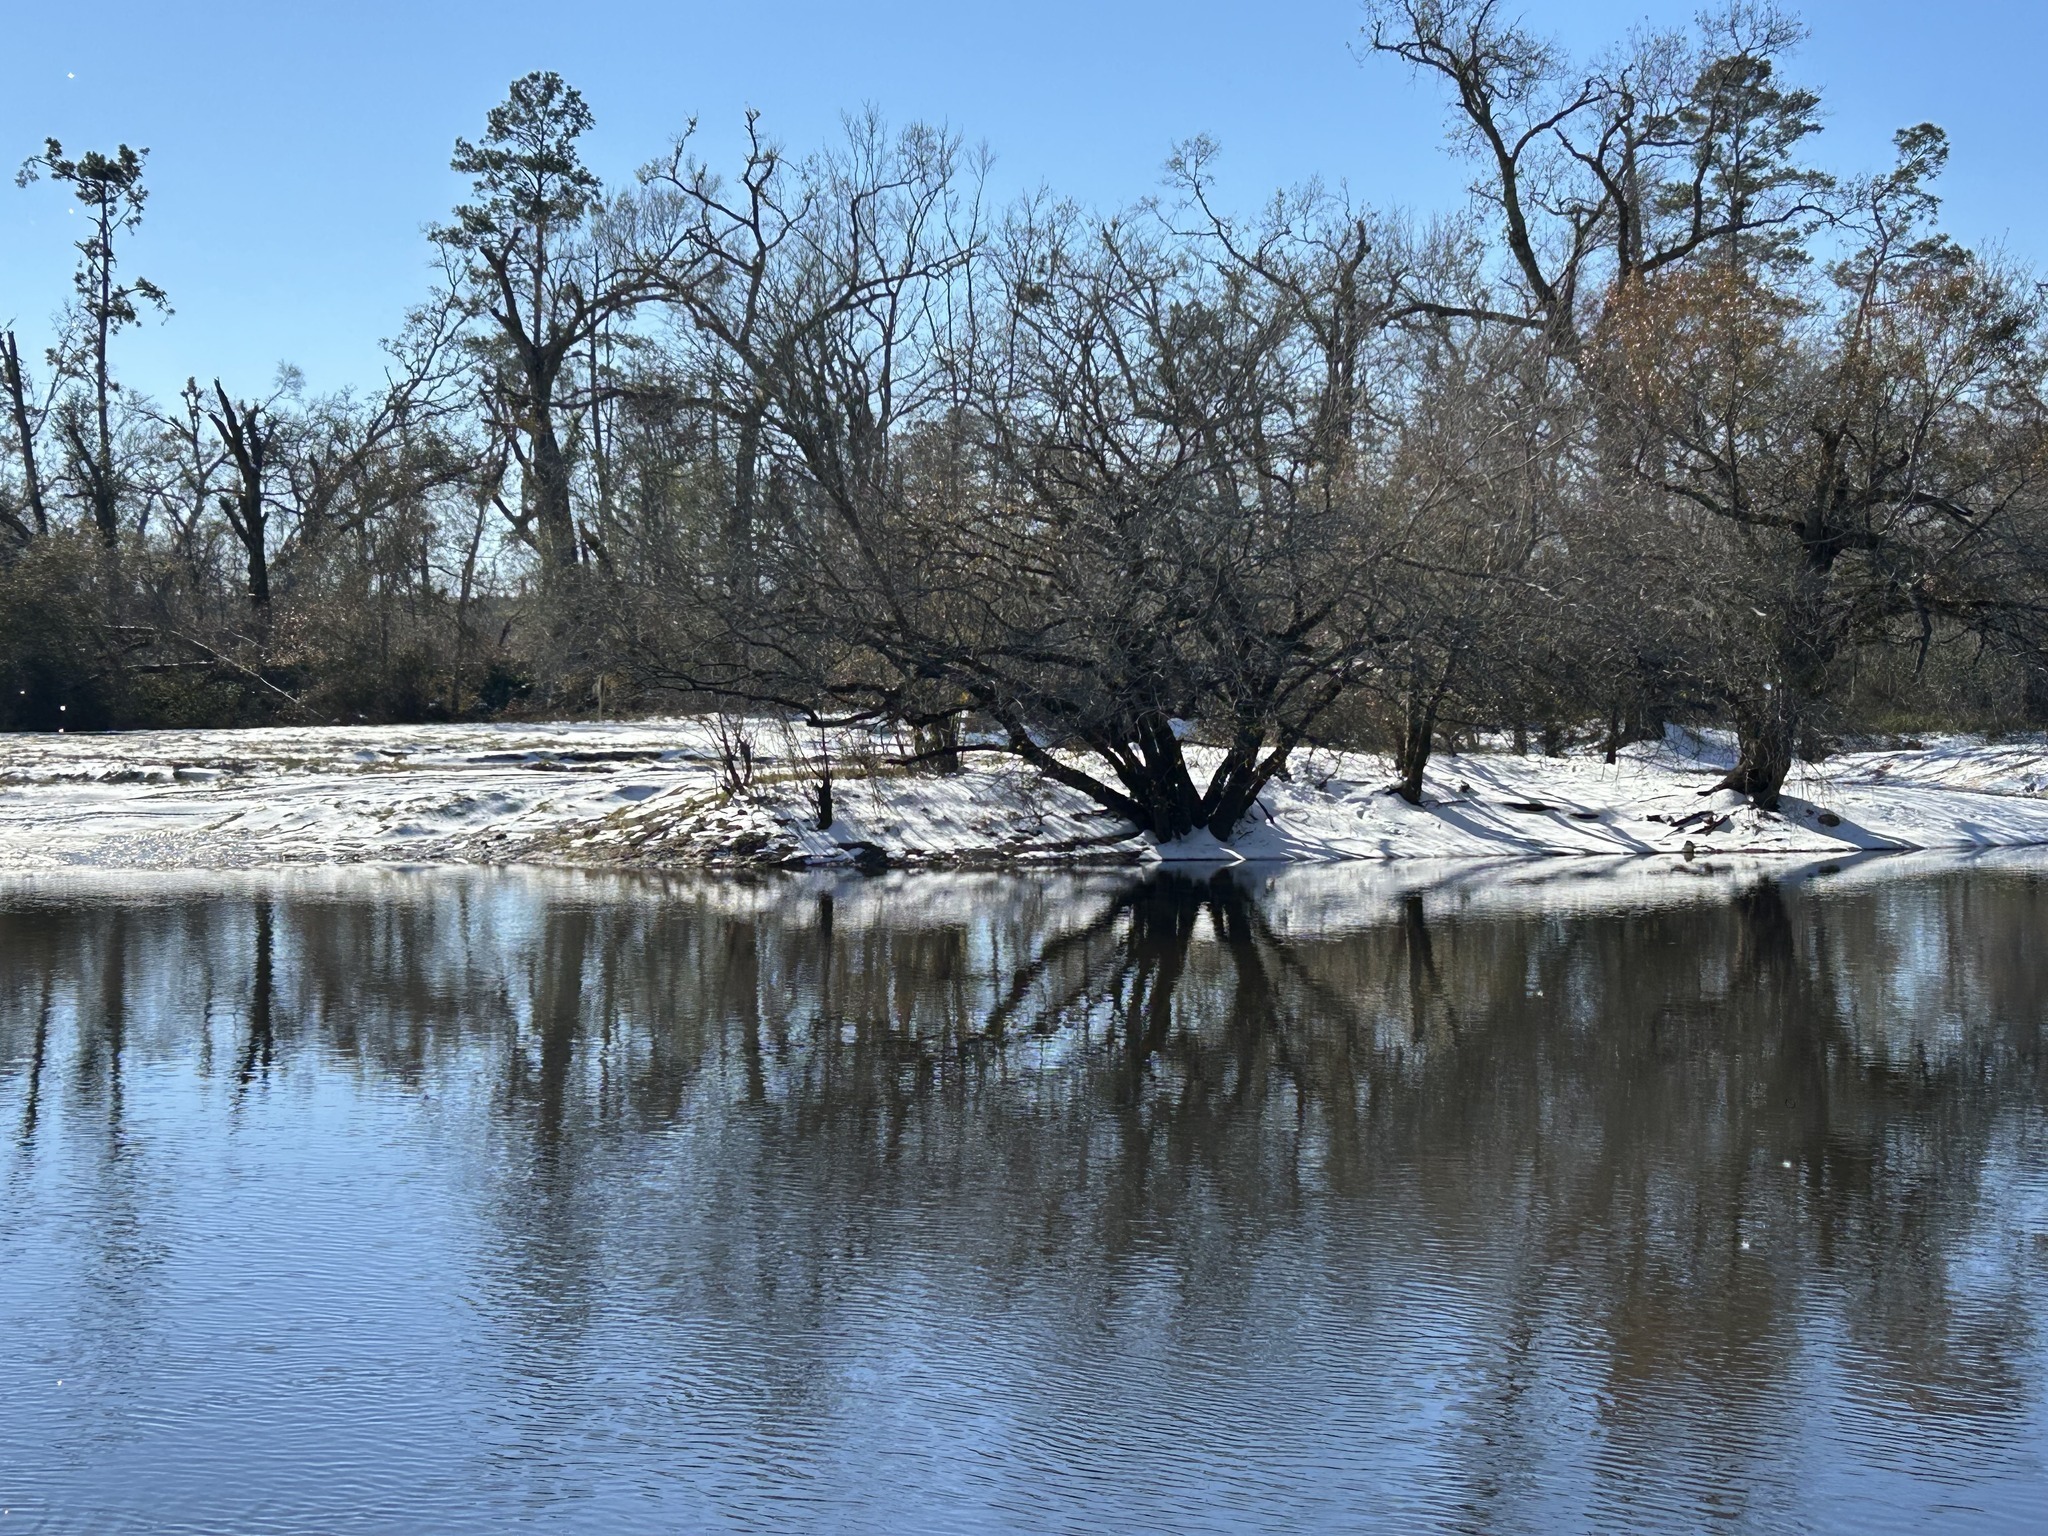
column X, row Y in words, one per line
column 1668, row 418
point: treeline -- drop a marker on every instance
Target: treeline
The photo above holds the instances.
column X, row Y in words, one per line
column 1668, row 424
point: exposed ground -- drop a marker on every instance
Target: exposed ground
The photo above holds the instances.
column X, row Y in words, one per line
column 649, row 793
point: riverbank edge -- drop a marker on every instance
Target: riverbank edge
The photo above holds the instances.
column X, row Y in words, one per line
column 658, row 795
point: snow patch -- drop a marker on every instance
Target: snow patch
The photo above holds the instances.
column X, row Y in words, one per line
column 650, row 793
column 1199, row 847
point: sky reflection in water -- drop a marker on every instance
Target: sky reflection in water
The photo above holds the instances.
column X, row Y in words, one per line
column 1499, row 1200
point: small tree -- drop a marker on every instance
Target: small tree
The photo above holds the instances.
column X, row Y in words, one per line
column 110, row 189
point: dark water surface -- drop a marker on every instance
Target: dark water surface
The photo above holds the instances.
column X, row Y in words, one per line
column 1326, row 1200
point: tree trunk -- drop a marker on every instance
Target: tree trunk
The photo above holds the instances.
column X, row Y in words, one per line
column 555, row 522
column 252, row 525
column 1234, row 791
column 745, row 488
column 1768, row 725
column 259, row 569
column 1769, row 722
column 248, row 441
column 1162, row 783
column 105, row 509
column 1158, row 794
column 1235, row 786
column 17, row 400
column 1418, row 735
column 95, row 462
column 1764, row 739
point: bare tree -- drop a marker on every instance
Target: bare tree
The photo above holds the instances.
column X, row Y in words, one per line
column 110, row 188
column 1671, row 149
column 1475, row 505
column 25, row 418
column 250, row 438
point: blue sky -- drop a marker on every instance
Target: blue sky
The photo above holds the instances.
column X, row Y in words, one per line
column 297, row 149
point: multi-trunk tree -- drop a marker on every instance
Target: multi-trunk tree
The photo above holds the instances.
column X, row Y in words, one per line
column 1087, row 480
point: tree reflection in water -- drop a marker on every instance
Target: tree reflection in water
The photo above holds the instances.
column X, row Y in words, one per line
column 1312, row 1204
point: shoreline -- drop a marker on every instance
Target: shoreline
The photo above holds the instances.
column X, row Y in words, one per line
column 648, row 795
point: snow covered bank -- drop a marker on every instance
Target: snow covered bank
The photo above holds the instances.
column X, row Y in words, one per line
column 648, row 793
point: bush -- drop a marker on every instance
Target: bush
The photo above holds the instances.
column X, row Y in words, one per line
column 54, row 668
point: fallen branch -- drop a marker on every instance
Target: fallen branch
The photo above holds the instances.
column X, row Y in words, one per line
column 216, row 658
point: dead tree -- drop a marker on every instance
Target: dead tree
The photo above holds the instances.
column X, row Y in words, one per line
column 250, row 441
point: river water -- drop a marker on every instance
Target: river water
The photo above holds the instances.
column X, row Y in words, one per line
column 1532, row 1198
